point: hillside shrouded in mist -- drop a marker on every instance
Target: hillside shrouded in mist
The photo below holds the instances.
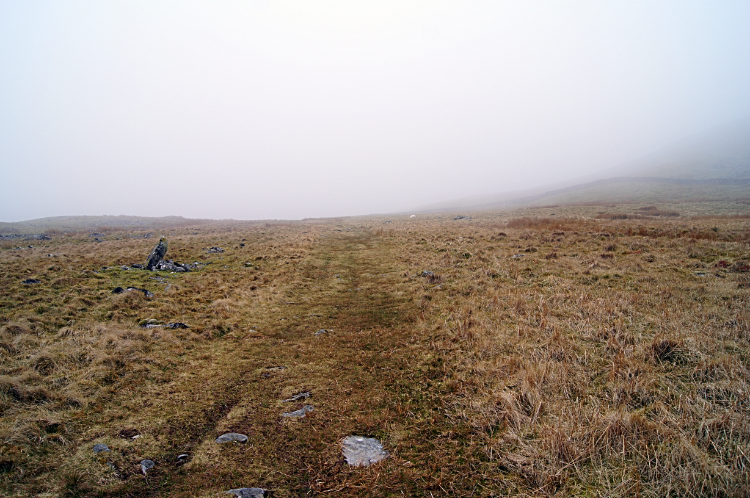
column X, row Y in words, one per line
column 262, row 110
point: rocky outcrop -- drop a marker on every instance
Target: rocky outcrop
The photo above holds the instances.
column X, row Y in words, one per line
column 157, row 254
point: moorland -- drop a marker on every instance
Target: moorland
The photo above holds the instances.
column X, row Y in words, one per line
column 592, row 350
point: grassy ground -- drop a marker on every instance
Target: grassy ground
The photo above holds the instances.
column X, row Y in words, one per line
column 551, row 352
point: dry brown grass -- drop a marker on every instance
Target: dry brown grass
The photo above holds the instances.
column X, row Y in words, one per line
column 544, row 355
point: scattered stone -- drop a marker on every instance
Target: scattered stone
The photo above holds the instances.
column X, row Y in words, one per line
column 387, row 222
column 517, row 256
column 299, row 396
column 231, row 437
column 96, row 234
column 250, row 493
column 176, row 325
column 123, row 267
column 169, row 265
column 321, row 332
column 362, row 451
column 214, row 250
column 30, row 281
column 138, row 266
column 149, row 321
column 427, row 273
column 461, row 217
column 242, row 245
column 128, row 433
column 37, row 236
column 120, row 290
column 412, row 216
column 101, row 448
column 299, row 413
column 157, row 254
column 182, row 458
column 146, row 465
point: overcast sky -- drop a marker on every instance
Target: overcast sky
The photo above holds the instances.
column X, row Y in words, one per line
column 292, row 109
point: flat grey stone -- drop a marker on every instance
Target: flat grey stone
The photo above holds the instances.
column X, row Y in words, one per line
column 321, row 332
column 147, row 465
column 299, row 396
column 231, row 437
column 299, row 413
column 362, row 451
column 250, row 492
column 100, row 448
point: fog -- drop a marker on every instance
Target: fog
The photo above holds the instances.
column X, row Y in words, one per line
column 285, row 110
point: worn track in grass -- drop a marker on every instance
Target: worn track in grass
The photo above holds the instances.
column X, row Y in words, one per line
column 351, row 286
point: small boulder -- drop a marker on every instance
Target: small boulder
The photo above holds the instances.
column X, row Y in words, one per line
column 169, row 265
column 299, row 413
column 100, row 448
column 146, row 293
column 176, row 325
column 147, row 465
column 362, row 451
column 250, row 493
column 149, row 323
column 299, row 396
column 31, row 281
column 231, row 437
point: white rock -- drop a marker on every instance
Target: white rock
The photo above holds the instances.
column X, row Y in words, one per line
column 362, row 451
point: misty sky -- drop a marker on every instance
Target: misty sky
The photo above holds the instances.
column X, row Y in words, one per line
column 292, row 109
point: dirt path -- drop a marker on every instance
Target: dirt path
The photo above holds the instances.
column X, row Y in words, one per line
column 352, row 287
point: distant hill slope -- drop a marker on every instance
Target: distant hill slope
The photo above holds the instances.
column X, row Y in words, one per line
column 712, row 166
column 75, row 223
column 723, row 152
column 646, row 190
